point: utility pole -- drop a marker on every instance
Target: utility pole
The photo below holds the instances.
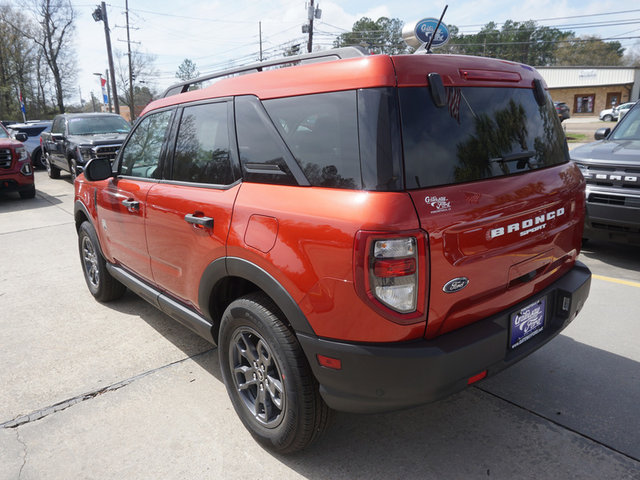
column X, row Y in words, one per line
column 260, row 32
column 100, row 13
column 108, row 91
column 132, row 107
column 311, row 15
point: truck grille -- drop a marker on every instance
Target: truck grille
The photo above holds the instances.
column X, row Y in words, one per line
column 606, row 176
column 107, row 151
column 618, row 200
column 5, row 158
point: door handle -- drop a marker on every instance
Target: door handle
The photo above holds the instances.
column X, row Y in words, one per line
column 132, row 205
column 206, row 222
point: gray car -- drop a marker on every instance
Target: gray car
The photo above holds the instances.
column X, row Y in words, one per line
column 611, row 168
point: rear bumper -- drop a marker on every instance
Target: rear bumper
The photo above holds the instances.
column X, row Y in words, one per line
column 383, row 377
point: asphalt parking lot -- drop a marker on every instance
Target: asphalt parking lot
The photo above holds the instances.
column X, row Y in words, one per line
column 120, row 391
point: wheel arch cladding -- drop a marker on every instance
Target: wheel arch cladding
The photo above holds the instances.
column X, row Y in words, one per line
column 228, row 272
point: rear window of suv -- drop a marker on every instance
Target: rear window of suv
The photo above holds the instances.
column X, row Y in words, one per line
column 481, row 133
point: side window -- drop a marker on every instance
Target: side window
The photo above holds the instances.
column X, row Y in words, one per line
column 58, row 125
column 202, row 147
column 262, row 154
column 141, row 154
column 321, row 131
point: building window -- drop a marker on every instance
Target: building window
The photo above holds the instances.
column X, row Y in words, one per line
column 584, row 103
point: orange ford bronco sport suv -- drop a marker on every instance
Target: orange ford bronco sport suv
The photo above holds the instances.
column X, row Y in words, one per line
column 362, row 234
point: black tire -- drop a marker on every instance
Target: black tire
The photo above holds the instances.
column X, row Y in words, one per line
column 53, row 171
column 28, row 193
column 73, row 169
column 607, row 118
column 100, row 282
column 267, row 376
column 36, row 158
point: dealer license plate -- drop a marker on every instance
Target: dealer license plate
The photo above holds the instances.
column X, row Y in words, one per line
column 527, row 322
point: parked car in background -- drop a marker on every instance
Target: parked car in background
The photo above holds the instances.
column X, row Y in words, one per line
column 76, row 138
column 16, row 172
column 611, row 167
column 33, row 129
column 615, row 113
column 609, row 114
column 624, row 108
column 564, row 112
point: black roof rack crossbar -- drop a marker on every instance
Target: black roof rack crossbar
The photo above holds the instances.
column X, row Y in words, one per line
column 315, row 57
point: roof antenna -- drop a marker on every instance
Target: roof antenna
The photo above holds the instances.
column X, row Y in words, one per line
column 433, row 35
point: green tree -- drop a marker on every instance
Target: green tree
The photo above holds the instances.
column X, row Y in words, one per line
column 589, row 51
column 523, row 42
column 381, row 36
column 187, row 70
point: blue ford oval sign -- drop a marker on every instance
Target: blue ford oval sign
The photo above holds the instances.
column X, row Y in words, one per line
column 425, row 28
column 455, row 285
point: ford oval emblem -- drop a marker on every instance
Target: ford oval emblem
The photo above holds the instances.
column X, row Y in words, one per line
column 455, row 285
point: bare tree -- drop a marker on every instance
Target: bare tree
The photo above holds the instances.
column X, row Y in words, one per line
column 142, row 70
column 17, row 59
column 54, row 34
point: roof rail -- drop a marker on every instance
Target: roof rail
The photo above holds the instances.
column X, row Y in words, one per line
column 315, row 57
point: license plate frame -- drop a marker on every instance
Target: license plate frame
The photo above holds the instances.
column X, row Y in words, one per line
column 527, row 322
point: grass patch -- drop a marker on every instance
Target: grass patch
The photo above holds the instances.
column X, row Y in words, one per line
column 577, row 137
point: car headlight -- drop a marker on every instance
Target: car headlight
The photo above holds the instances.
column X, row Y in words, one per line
column 22, row 153
column 85, row 153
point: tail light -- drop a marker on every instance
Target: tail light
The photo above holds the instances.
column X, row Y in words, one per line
column 391, row 274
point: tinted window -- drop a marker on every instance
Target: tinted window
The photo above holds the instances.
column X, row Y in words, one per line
column 629, row 128
column 481, row 133
column 98, row 124
column 322, row 133
column 141, row 154
column 202, row 147
column 380, row 142
column 262, row 153
column 58, row 125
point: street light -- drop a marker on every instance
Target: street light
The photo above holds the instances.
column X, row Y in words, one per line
column 100, row 14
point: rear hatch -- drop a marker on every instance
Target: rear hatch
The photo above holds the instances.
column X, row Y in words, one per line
column 491, row 181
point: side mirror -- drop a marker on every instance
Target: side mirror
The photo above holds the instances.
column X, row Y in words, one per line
column 56, row 137
column 21, row 137
column 602, row 133
column 98, row 169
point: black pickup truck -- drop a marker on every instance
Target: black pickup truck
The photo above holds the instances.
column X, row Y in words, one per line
column 76, row 138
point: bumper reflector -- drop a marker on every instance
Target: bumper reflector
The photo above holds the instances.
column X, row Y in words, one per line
column 333, row 363
column 477, row 377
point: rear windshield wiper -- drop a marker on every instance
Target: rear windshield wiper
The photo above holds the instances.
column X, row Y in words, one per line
column 521, row 157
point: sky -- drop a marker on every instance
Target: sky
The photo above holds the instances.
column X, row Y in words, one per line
column 219, row 34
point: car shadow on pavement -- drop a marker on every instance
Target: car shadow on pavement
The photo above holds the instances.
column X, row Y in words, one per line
column 522, row 423
column 11, row 201
column 566, row 409
column 614, row 254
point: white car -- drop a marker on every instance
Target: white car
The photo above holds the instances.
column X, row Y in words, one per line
column 616, row 113
column 609, row 115
column 624, row 108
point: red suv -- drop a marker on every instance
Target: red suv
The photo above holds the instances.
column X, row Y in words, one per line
column 16, row 172
column 361, row 234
